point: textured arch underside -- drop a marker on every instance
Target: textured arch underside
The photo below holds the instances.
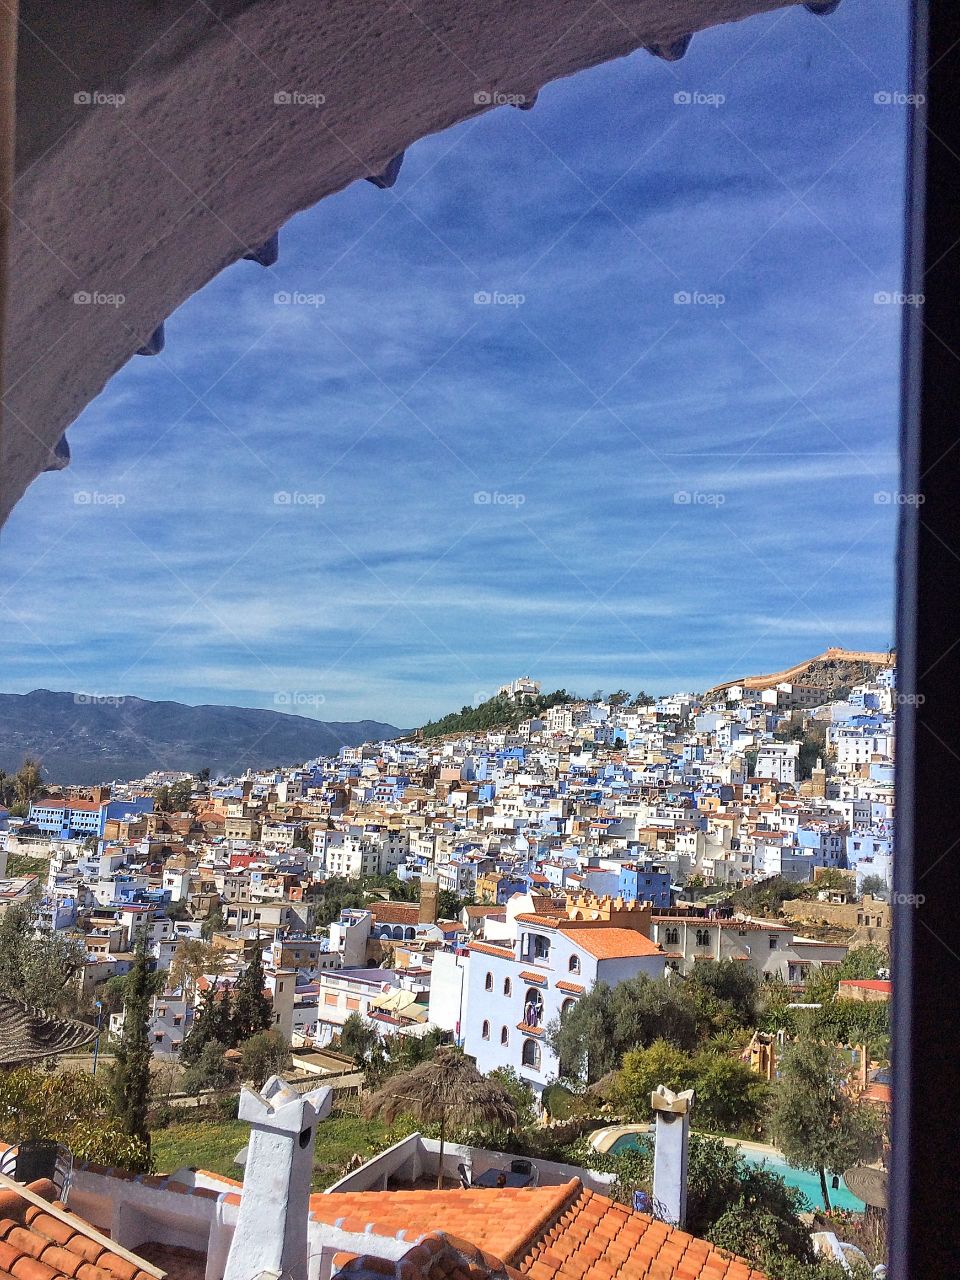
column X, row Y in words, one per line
column 198, row 166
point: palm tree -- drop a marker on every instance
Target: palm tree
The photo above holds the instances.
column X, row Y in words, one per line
column 448, row 1090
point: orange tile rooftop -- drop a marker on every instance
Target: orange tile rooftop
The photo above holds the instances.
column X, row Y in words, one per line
column 546, row 1233
column 38, row 1246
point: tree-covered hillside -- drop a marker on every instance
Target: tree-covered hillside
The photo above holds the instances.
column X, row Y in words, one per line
column 496, row 713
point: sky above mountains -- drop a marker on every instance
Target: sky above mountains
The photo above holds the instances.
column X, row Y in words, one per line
column 603, row 392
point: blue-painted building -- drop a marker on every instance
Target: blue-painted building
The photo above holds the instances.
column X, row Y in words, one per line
column 77, row 819
column 645, row 882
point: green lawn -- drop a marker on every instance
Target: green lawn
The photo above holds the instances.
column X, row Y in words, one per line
column 22, row 864
column 211, row 1143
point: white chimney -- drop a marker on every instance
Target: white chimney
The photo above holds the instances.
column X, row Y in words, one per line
column 670, row 1153
column 271, row 1231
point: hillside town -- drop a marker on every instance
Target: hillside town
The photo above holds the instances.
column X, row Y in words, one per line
column 479, row 891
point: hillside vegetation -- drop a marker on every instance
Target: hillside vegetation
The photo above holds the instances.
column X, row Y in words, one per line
column 496, row 713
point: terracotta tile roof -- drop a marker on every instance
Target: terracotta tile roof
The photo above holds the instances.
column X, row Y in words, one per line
column 503, row 1221
column 395, row 912
column 539, row 979
column 35, row 1245
column 574, row 988
column 435, row 1256
column 613, row 943
column 488, row 949
column 546, row 1233
column 547, row 922
column 597, row 1239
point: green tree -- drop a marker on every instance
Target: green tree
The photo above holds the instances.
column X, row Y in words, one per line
column 214, row 923
column 27, row 784
column 876, row 886
column 729, row 1096
column 815, row 1121
column 210, row 1069
column 726, row 993
column 130, row 1073
column 72, row 1107
column 38, row 964
column 212, row 1022
column 358, row 1039
column 161, row 799
column 592, row 1037
column 252, row 1010
column 869, row 961
column 449, row 905
column 264, row 1055
column 193, row 959
column 644, row 1069
column 181, row 793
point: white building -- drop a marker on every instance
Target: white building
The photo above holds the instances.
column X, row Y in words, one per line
column 505, row 994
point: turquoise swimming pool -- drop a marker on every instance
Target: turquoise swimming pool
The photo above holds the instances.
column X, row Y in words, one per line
column 800, row 1179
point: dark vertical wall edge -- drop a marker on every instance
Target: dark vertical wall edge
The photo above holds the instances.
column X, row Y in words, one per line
column 925, row 1171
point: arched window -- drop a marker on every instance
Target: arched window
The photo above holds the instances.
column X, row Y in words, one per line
column 504, row 1035
column 567, row 1005
column 485, row 1030
column 673, row 937
column 530, row 1054
column 574, row 965
column 507, row 986
column 703, row 938
column 488, row 982
column 533, row 1007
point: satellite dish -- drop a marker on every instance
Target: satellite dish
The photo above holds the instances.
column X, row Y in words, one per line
column 868, row 1184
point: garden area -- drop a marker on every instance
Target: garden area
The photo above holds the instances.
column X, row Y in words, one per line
column 212, row 1138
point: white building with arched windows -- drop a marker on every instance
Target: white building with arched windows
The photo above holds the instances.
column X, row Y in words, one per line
column 506, row 992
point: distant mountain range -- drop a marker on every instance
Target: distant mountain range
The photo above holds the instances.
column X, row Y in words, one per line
column 85, row 739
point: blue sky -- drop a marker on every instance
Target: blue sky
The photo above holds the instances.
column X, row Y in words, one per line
column 479, row 490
